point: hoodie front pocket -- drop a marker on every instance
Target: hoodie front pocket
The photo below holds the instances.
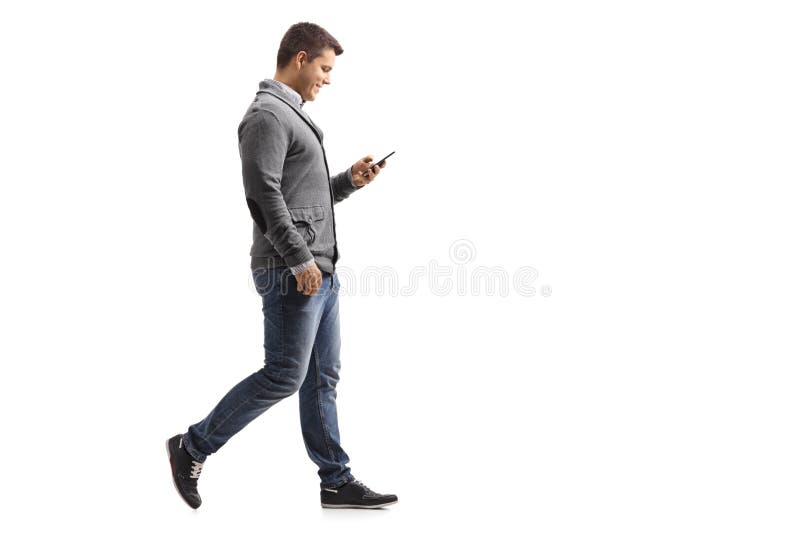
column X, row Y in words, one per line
column 306, row 220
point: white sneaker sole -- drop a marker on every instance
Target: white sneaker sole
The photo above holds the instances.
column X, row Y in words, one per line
column 358, row 505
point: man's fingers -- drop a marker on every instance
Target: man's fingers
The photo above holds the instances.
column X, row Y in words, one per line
column 372, row 169
column 375, row 169
column 312, row 285
column 372, row 172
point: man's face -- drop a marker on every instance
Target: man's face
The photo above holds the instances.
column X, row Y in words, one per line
column 315, row 74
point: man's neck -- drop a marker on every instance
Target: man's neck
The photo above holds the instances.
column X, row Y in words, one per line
column 278, row 78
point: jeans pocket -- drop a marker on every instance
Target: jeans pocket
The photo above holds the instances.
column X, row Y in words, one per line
column 267, row 279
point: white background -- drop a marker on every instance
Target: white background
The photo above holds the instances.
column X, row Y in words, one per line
column 641, row 156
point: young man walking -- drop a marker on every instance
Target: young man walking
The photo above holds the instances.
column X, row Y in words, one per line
column 290, row 195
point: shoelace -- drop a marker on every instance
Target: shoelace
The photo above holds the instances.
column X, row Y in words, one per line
column 196, row 468
column 369, row 492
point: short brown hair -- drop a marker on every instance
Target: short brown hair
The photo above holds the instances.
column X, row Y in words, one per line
column 308, row 37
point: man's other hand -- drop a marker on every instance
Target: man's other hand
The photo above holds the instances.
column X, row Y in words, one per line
column 309, row 281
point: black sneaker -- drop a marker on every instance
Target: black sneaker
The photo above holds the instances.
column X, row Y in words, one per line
column 354, row 495
column 185, row 471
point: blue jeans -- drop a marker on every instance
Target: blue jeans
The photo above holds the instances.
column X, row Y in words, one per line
column 301, row 344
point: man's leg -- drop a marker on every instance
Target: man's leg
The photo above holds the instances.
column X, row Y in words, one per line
column 290, row 326
column 318, row 416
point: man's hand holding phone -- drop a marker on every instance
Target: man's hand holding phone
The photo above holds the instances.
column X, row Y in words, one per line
column 364, row 170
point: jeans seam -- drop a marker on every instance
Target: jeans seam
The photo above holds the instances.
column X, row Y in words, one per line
column 318, row 381
column 211, row 432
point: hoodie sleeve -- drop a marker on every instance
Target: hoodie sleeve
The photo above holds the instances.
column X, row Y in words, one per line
column 263, row 144
column 342, row 185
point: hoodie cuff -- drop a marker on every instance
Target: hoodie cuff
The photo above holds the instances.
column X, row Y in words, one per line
column 350, row 176
column 297, row 269
column 350, row 180
column 343, row 185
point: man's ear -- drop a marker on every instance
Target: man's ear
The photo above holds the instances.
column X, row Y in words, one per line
column 301, row 57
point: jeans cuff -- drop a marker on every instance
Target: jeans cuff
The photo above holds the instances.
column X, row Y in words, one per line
column 339, row 483
column 193, row 452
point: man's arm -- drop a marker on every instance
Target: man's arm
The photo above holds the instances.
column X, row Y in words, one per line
column 263, row 144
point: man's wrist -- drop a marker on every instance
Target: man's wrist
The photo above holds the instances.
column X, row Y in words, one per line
column 297, row 269
column 352, row 179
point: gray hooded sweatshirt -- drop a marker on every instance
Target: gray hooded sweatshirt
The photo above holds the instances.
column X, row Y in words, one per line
column 288, row 187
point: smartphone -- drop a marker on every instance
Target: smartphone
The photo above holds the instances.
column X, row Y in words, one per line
column 366, row 173
column 384, row 159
